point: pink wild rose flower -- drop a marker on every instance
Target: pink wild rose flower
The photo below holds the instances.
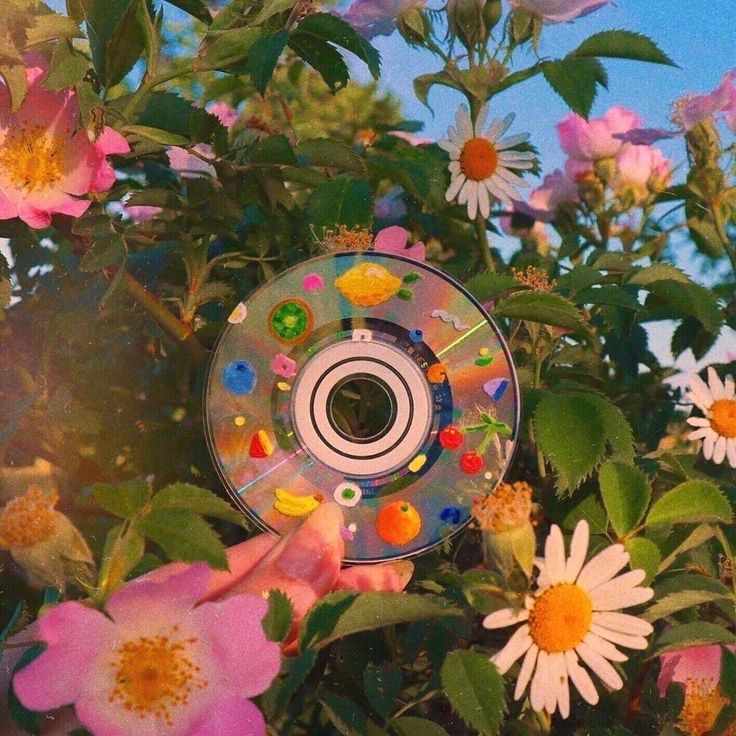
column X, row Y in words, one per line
column 558, row 11
column 225, row 113
column 157, row 663
column 46, row 161
column 696, row 664
column 590, row 140
column 641, row 170
column 378, row 17
column 691, row 109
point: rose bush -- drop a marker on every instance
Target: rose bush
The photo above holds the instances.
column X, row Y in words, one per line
column 155, row 171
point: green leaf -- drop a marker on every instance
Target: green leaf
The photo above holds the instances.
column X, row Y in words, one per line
column 699, row 536
column 322, row 57
column 328, row 27
column 576, row 81
column 487, row 286
column 263, row 57
column 106, row 250
column 124, row 499
column 424, row 82
column 321, row 619
column 345, row 715
column 325, row 152
column 573, row 431
column 222, row 49
column 278, row 619
column 690, row 502
column 157, row 135
column 645, row 555
column 342, row 201
column 658, row 272
column 411, row 726
column 692, row 634
column 51, row 26
column 608, row 294
column 17, row 84
column 690, row 299
column 382, row 685
column 475, row 690
column 679, row 601
column 301, row 666
column 183, row 535
column 123, row 550
column 68, row 67
column 620, row 44
column 626, row 493
column 170, row 112
column 546, row 308
column 195, row 8
column 196, row 499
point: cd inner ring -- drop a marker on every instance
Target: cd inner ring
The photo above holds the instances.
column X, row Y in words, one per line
column 396, row 373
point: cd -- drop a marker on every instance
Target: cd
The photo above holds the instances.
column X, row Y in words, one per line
column 370, row 379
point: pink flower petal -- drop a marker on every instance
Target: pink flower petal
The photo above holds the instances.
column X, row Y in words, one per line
column 79, row 165
column 74, row 634
column 391, row 239
column 110, row 141
column 34, row 217
column 697, row 663
column 230, row 715
column 161, row 602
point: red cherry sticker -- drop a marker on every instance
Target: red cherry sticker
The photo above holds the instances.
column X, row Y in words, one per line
column 451, row 438
column 471, row 462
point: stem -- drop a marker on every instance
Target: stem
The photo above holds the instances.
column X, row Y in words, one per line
column 723, row 235
column 545, row 721
column 484, row 244
column 181, row 333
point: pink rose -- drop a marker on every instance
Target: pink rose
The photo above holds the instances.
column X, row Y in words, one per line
column 641, row 169
column 558, row 11
column 225, row 113
column 46, row 162
column 700, row 663
column 589, row 140
column 691, row 109
column 378, row 17
column 557, row 187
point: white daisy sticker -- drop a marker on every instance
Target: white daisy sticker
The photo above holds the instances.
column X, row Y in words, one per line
column 717, row 400
column 571, row 618
column 481, row 162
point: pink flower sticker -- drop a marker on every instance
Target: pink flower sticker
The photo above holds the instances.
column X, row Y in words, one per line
column 394, row 239
column 313, row 282
column 284, row 366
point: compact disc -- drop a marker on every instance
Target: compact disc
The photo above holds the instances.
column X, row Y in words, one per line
column 369, row 379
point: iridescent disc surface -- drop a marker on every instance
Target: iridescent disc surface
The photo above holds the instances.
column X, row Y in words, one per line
column 369, row 379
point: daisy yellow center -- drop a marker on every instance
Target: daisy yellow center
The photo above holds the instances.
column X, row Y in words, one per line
column 155, row 675
column 32, row 159
column 560, row 618
column 28, row 519
column 478, row 159
column 703, row 703
column 723, row 417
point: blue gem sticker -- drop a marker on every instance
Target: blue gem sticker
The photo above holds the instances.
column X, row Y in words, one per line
column 239, row 377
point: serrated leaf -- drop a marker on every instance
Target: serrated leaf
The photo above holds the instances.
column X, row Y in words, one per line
column 576, row 81
column 644, row 555
column 621, row 44
column 345, row 715
column 546, row 308
column 487, row 286
column 679, row 602
column 68, row 67
column 50, row 26
column 279, row 617
column 107, row 250
column 626, row 493
column 301, row 666
column 17, row 84
column 222, row 49
column 658, row 272
column 382, row 685
column 475, row 690
column 411, row 726
column 157, row 135
column 342, row 201
column 692, row 634
column 196, row 499
column 263, row 57
column 170, row 112
column 326, row 152
column 690, row 299
column 608, row 294
column 184, row 535
column 124, row 499
column 323, row 58
column 690, row 502
column 699, row 536
column 123, row 550
column 321, row 619
column 330, row 28
column 424, row 82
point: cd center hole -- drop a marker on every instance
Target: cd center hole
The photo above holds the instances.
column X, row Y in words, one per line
column 361, row 408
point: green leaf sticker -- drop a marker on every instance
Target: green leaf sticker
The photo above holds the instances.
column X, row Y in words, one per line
column 405, row 294
column 475, row 689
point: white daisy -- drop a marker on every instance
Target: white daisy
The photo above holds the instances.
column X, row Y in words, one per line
column 717, row 400
column 481, row 162
column 573, row 616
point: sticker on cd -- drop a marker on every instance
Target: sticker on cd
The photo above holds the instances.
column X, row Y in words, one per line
column 370, row 380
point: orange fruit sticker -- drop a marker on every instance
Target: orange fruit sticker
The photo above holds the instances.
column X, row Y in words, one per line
column 398, row 523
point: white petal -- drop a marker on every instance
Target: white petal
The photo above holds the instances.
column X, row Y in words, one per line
column 462, row 120
column 580, row 678
column 623, row 582
column 729, row 387
column 699, row 434
column 731, row 452
column 505, row 617
column 497, row 192
column 698, row 422
column 578, row 550
column 480, row 121
column 501, row 185
column 510, row 178
column 521, row 165
column 554, row 554
column 717, row 388
column 464, row 195
column 472, row 199
column 499, row 127
column 624, row 599
column 624, row 640
column 699, row 393
column 525, row 673
column 604, row 648
column 455, row 168
column 515, row 156
column 719, row 452
column 516, row 646
column 559, row 673
column 456, row 185
column 483, row 202
column 600, row 666
column 542, row 578
column 709, row 444
column 513, row 140
column 449, row 146
column 456, row 138
column 603, row 566
column 540, row 682
column 623, row 622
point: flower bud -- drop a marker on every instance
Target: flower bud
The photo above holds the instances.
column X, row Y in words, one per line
column 509, row 541
column 414, row 25
column 521, row 27
column 492, row 11
column 605, row 169
column 44, row 542
column 465, row 19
